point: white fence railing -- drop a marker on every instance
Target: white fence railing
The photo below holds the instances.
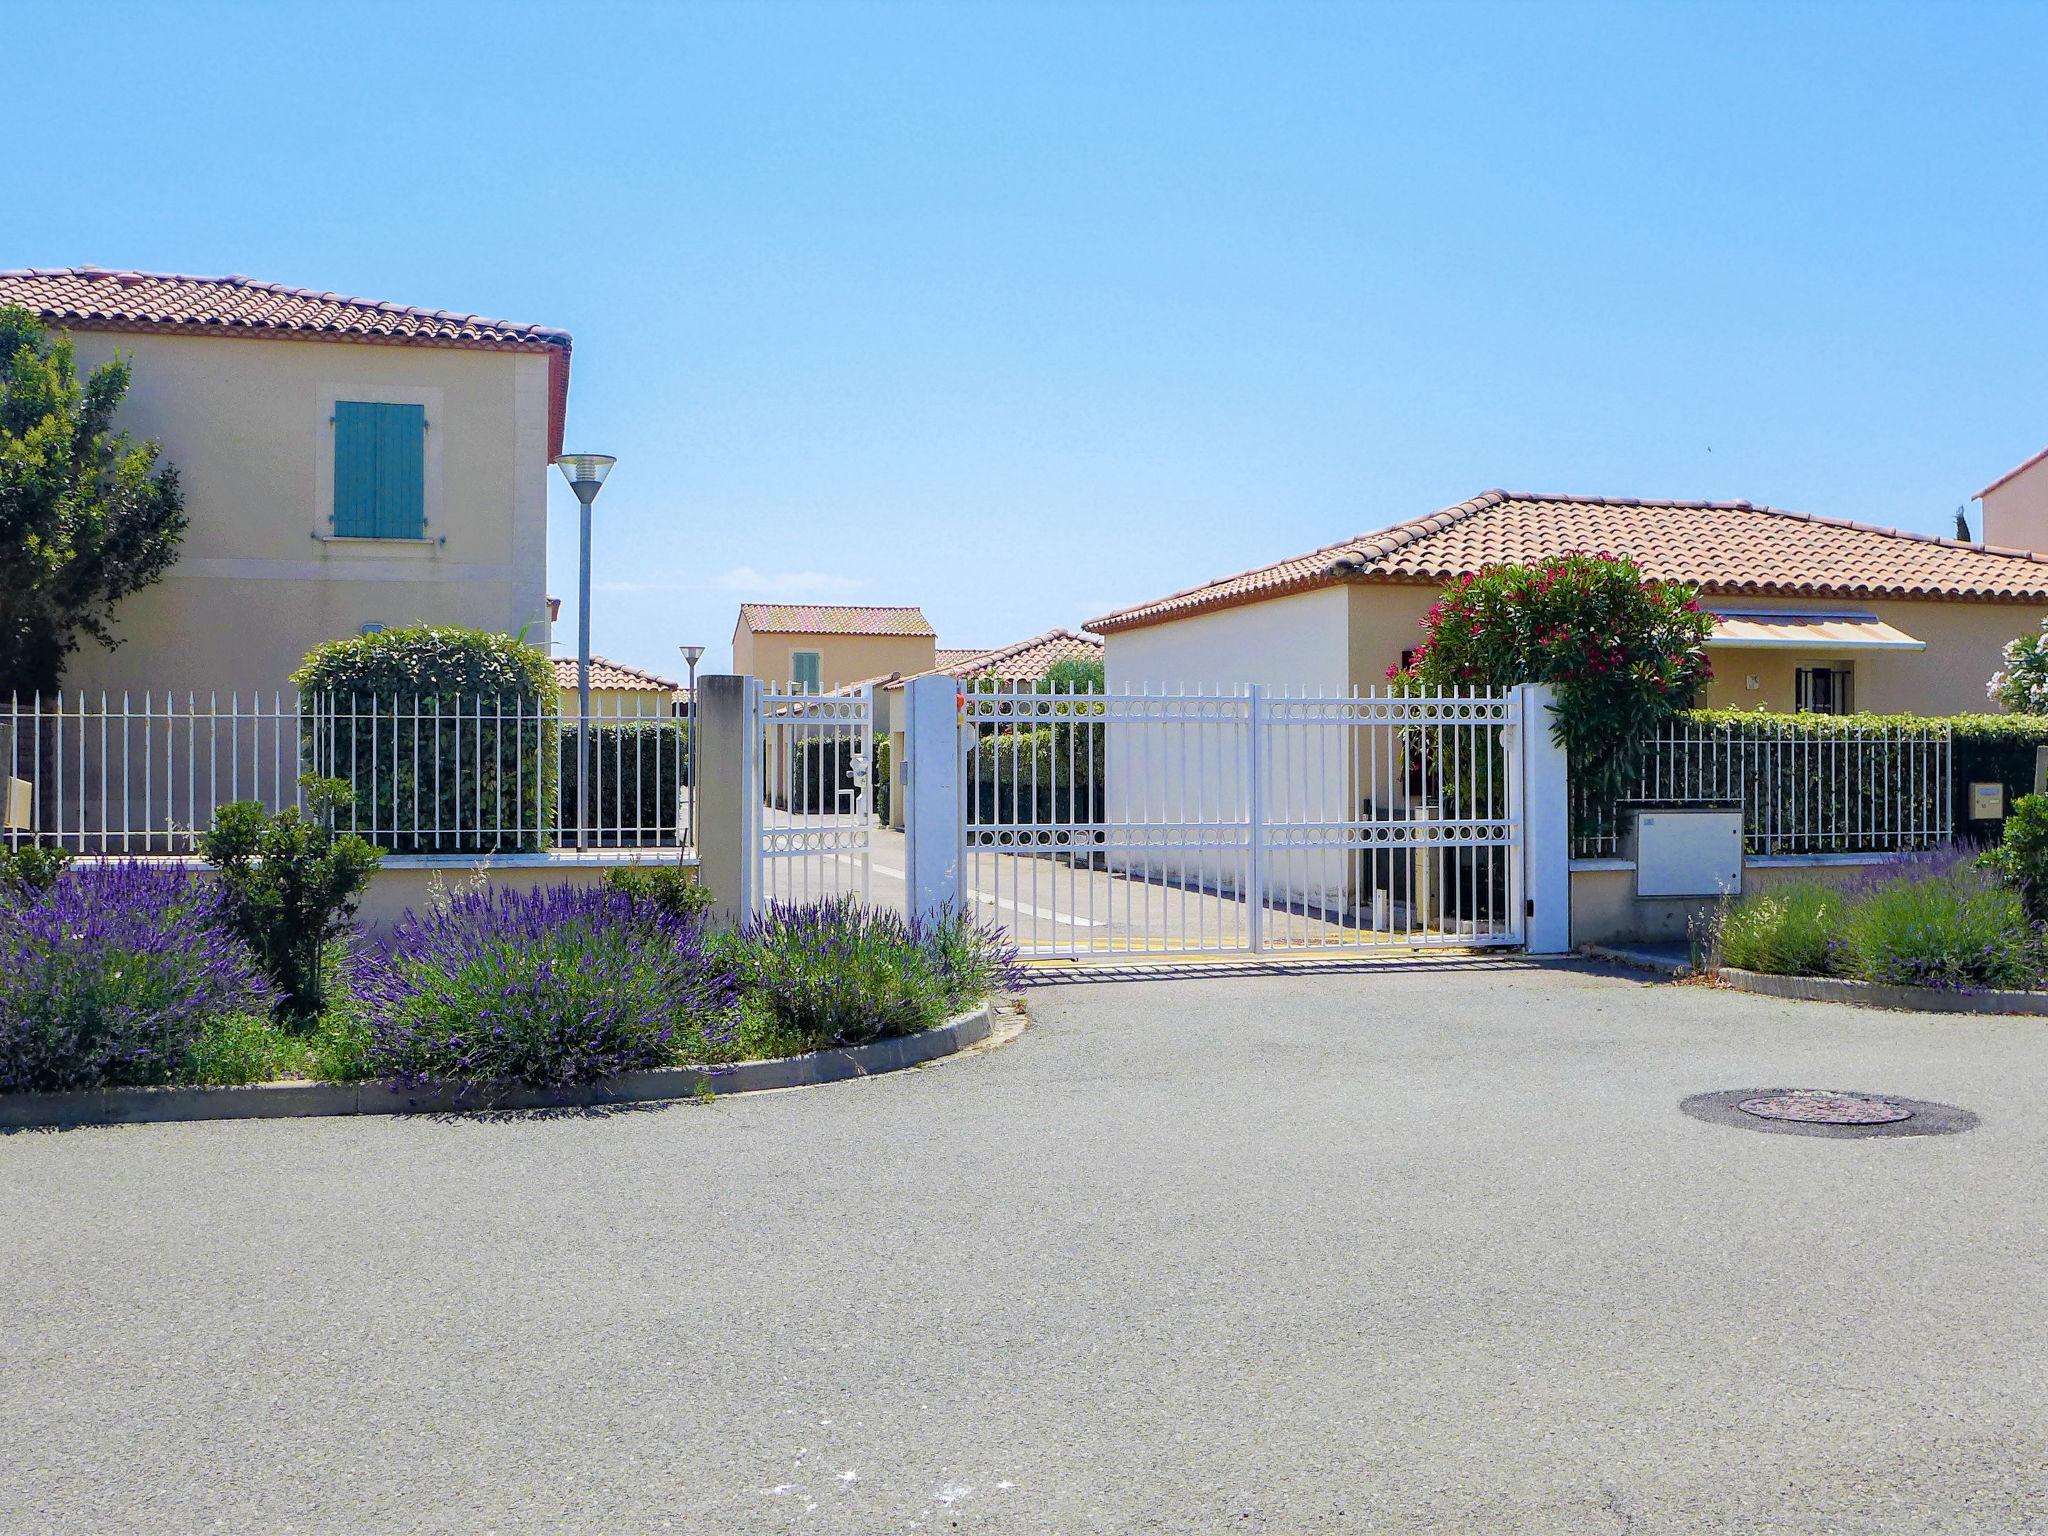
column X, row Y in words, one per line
column 131, row 773
column 1802, row 790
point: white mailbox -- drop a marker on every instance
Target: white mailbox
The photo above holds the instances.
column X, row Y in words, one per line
column 17, row 803
column 1688, row 853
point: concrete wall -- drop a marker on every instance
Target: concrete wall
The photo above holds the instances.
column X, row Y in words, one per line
column 2016, row 513
column 246, row 422
column 625, row 703
column 842, row 659
column 1606, row 910
column 394, row 888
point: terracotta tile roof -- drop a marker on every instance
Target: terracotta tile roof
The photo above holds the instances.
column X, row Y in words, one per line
column 101, row 299
column 614, row 675
column 948, row 658
column 1025, row 662
column 832, row 619
column 1723, row 546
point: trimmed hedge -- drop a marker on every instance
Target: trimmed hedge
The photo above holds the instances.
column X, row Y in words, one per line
column 1984, row 749
column 442, row 734
column 635, row 775
column 1038, row 774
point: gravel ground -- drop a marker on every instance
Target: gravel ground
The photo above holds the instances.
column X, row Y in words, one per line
column 1414, row 1247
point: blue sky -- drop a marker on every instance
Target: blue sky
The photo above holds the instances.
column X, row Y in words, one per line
column 1025, row 312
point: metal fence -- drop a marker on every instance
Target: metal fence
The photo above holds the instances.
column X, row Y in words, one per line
column 1816, row 789
column 130, row 773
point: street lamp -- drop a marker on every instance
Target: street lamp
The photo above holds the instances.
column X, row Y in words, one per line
column 585, row 473
column 692, row 654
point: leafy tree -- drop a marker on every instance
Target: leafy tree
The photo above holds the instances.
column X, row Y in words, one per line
column 1073, row 676
column 87, row 514
column 292, row 884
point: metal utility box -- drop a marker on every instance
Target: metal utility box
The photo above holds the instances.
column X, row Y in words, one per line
column 17, row 801
column 1693, row 852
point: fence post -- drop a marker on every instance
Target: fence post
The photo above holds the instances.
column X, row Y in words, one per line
column 932, row 827
column 1545, row 805
column 728, row 801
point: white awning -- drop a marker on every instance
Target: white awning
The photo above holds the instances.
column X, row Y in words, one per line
column 1786, row 629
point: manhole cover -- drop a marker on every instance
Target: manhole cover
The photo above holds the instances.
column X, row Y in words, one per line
column 1819, row 1106
column 1830, row 1112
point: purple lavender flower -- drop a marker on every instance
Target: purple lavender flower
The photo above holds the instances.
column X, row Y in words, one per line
column 111, row 975
column 563, row 984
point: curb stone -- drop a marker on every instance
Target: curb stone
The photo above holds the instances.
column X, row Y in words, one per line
column 1867, row 994
column 285, row 1101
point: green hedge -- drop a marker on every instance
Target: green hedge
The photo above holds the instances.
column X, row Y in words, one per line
column 445, row 735
column 1039, row 774
column 1984, row 749
column 634, row 772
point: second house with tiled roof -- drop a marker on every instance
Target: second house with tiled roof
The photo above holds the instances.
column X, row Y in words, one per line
column 1812, row 613
column 817, row 647
column 346, row 463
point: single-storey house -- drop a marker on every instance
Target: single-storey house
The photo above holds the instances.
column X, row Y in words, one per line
column 1813, row 612
column 1012, row 666
column 2016, row 506
column 346, row 464
column 617, row 690
column 823, row 647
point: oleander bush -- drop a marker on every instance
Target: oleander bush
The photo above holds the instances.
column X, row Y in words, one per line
column 834, row 973
column 2021, row 859
column 560, row 985
column 114, row 975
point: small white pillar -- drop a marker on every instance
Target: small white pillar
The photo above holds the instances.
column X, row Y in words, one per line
column 728, row 791
column 1544, row 803
column 931, row 774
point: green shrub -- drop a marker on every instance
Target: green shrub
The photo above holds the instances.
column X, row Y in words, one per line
column 635, row 771
column 835, row 973
column 670, row 889
column 2021, row 860
column 1951, row 930
column 1040, row 773
column 30, row 870
column 1785, row 930
column 245, row 1048
column 447, row 736
column 291, row 883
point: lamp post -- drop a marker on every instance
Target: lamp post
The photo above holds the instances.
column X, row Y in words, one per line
column 692, row 654
column 585, row 473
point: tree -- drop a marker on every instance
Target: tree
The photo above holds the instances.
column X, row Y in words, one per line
column 1624, row 653
column 1962, row 525
column 87, row 514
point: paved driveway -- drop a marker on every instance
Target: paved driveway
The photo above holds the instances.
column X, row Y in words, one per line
column 1424, row 1248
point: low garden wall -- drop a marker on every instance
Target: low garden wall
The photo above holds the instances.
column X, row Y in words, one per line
column 1606, row 909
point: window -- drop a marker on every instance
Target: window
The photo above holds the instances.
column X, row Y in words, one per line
column 806, row 669
column 1824, row 690
column 379, row 470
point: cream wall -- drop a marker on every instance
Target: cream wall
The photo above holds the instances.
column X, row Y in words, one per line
column 842, row 659
column 623, row 703
column 258, row 581
column 2016, row 513
column 1965, row 642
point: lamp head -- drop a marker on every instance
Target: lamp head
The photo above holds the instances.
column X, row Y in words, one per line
column 692, row 654
column 585, row 473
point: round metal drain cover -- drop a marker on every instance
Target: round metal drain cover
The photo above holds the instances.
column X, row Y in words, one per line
column 1822, row 1106
column 1834, row 1112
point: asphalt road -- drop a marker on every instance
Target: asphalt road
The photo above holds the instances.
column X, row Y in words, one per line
column 1420, row 1248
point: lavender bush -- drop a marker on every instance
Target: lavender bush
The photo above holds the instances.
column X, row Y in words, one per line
column 561, row 985
column 830, row 973
column 113, row 974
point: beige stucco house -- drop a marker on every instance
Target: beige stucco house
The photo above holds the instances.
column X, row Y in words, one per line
column 345, row 463
column 823, row 647
column 1814, row 612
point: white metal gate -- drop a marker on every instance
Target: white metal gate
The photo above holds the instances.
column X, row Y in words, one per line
column 812, row 758
column 1184, row 823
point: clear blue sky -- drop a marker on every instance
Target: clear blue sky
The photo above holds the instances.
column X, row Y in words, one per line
column 1024, row 312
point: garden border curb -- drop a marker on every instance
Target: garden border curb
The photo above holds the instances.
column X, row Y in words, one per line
column 1868, row 994
column 284, row 1101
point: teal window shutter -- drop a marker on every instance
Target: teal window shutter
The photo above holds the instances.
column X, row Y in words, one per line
column 805, row 670
column 380, row 456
